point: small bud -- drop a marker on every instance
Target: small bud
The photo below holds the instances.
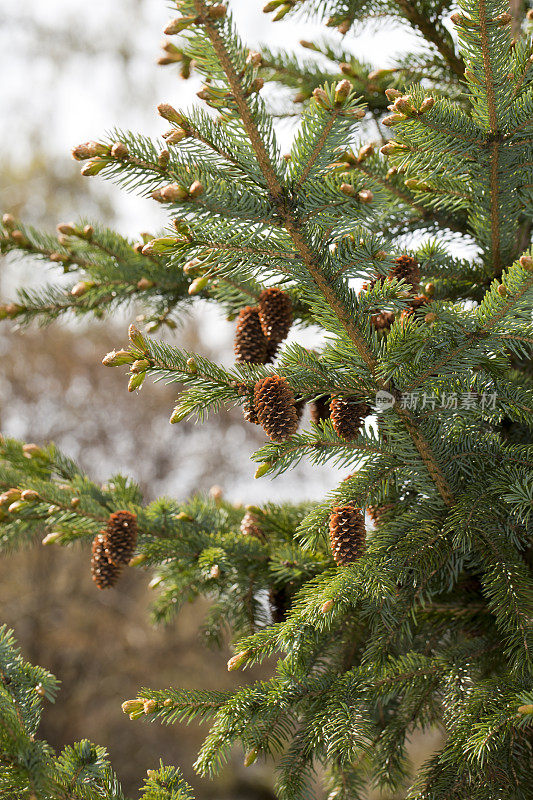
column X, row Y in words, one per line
column 145, row 283
column 136, row 381
column 67, row 228
column 392, row 94
column 328, row 605
column 393, row 119
column 40, row 690
column 321, row 97
column 74, row 503
column 8, row 220
column 32, row 450
column 404, row 104
column 198, row 284
column 169, row 113
column 178, row 415
column 526, row 709
column 18, row 237
column 88, row 232
column 176, row 136
column 348, row 189
column 149, row 706
column 179, row 24
column 272, row 6
column 378, row 74
column 93, row 167
column 163, row 158
column 173, row 193
column 427, row 105
column 503, row 19
column 429, row 289
column 168, row 702
column 216, row 493
column 251, row 757
column 236, row 661
column 50, row 538
column 119, row 151
column 262, row 469
column 214, row 572
column 342, row 91
column 217, row 12
column 139, row 366
column 81, row 288
column 191, row 366
column 89, row 150
column 502, row 290
column 526, row 262
column 430, row 318
column 196, row 189
column 365, row 196
column 129, row 706
column 254, row 59
column 117, row 357
column 9, row 497
column 256, row 85
column 137, row 560
column 391, row 147
column 16, row 506
column 365, row 152
column 29, row 496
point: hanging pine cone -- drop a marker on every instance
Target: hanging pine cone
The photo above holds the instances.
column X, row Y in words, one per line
column 250, row 526
column 279, row 600
column 347, row 415
column 275, row 314
column 406, row 268
column 250, row 344
column 320, row 409
column 120, row 537
column 347, row 533
column 377, row 513
column 274, row 403
column 104, row 573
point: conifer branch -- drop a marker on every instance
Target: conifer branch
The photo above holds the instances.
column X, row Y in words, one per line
column 427, row 29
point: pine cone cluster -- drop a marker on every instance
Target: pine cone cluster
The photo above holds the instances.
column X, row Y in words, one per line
column 104, row 573
column 261, row 329
column 347, row 415
column 250, row 345
column 275, row 407
column 320, row 409
column 347, row 533
column 382, row 321
column 416, row 302
column 406, row 268
column 120, row 537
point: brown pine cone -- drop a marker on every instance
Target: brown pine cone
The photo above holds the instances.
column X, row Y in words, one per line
column 120, row 537
column 104, row 573
column 275, row 406
column 406, row 268
column 250, row 344
column 377, row 513
column 347, row 533
column 347, row 415
column 275, row 313
column 320, row 409
column 250, row 526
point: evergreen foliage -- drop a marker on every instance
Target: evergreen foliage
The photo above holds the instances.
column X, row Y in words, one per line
column 430, row 624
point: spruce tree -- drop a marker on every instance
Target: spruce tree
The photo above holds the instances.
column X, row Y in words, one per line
column 412, row 255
